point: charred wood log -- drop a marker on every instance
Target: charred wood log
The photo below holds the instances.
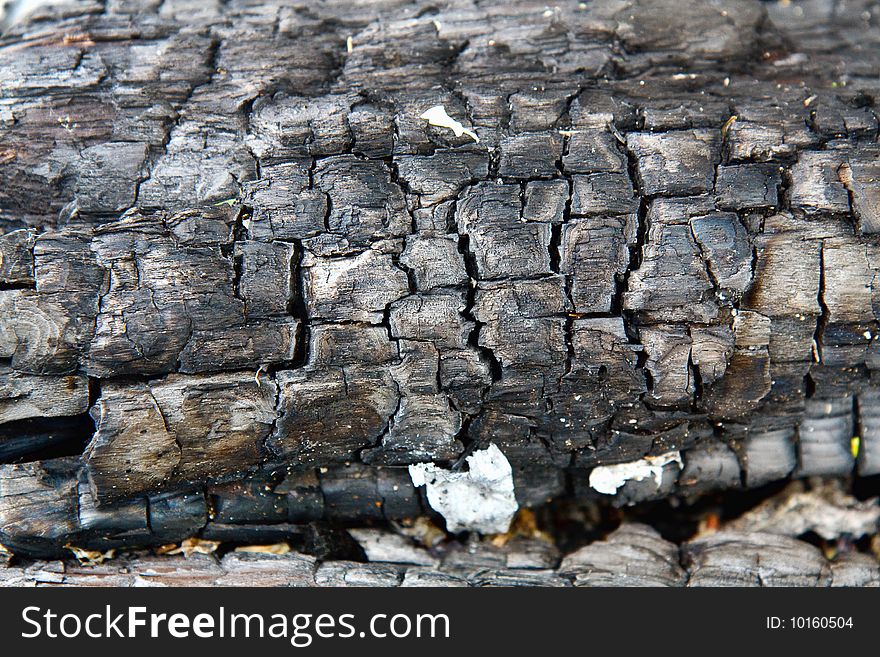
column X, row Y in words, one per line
column 258, row 264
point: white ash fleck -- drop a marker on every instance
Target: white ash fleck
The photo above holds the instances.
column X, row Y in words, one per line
column 608, row 478
column 437, row 116
column 478, row 499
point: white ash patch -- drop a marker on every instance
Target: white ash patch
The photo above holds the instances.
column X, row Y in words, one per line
column 608, row 478
column 479, row 499
column 438, row 117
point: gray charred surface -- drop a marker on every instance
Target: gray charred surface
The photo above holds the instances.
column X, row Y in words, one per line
column 230, row 242
column 634, row 555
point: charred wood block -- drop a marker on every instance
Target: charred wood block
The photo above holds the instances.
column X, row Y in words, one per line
column 372, row 130
column 847, row 296
column 266, row 280
column 634, row 555
column 338, row 345
column 725, row 243
column 158, row 294
column 768, row 456
column 109, row 177
column 175, row 515
column 602, row 193
column 248, row 501
column 816, row 186
column 530, row 155
column 356, row 288
column 825, row 435
column 755, row 560
column 44, row 334
column 424, row 428
column 441, row 176
column 179, row 429
column 536, row 336
column 594, row 253
column 286, row 126
column 27, row 396
column 432, row 318
column 285, row 207
column 200, row 164
column 765, row 131
column 329, row 414
column 305, row 501
column 364, row 203
column 206, row 226
column 536, row 109
column 126, row 519
column 545, row 201
column 38, row 504
column 435, row 261
column 502, row 242
column 748, row 186
column 672, row 283
column 590, row 151
column 253, row 345
column 351, row 494
column 710, row 467
column 676, row 163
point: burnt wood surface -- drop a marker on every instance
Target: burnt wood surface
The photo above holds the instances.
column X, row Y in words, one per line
column 244, row 284
column 633, row 555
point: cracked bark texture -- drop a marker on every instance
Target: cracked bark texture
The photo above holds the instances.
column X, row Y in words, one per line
column 230, row 242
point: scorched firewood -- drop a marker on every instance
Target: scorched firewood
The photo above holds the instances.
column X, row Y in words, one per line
column 265, row 264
